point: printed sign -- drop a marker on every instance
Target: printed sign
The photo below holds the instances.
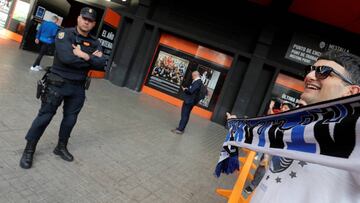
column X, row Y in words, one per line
column 305, row 49
column 106, row 38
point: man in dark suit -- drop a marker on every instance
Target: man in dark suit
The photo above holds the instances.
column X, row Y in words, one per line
column 190, row 100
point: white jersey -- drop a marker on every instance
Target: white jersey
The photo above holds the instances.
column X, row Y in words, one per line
column 295, row 181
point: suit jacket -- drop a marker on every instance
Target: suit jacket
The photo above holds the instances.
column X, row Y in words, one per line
column 192, row 92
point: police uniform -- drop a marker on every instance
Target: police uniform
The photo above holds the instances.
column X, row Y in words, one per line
column 65, row 83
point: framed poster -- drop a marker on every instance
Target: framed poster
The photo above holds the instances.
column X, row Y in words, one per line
column 209, row 77
column 168, row 72
column 4, row 11
column 40, row 12
column 5, row 6
column 21, row 11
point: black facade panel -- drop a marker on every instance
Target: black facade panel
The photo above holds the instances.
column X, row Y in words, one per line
column 252, row 76
column 215, row 23
column 259, row 94
column 230, row 89
column 278, row 50
column 138, row 67
column 119, row 67
column 149, row 53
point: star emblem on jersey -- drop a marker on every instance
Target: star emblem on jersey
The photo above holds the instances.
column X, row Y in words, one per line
column 280, row 164
column 302, row 163
column 292, row 174
column 278, row 180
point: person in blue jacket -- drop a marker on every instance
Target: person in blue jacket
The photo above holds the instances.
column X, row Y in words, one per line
column 76, row 53
column 191, row 98
column 45, row 37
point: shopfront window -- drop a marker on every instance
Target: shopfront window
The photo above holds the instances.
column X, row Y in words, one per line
column 4, row 11
column 285, row 94
column 174, row 61
column 21, row 11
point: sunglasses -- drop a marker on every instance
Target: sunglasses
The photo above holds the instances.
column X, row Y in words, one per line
column 322, row 72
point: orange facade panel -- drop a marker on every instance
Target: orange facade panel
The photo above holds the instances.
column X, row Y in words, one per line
column 6, row 34
column 112, row 18
column 96, row 74
column 196, row 50
column 290, row 82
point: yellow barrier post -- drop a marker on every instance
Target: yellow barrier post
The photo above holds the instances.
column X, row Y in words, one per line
column 235, row 195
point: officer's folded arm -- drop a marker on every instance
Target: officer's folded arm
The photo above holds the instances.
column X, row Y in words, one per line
column 97, row 63
column 64, row 50
column 82, row 55
column 79, row 53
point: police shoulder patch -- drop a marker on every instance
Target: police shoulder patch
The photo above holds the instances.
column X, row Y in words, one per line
column 61, row 35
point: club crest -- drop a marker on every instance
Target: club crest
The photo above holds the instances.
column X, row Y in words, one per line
column 61, row 35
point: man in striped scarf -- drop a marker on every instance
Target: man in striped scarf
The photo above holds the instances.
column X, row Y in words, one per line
column 335, row 74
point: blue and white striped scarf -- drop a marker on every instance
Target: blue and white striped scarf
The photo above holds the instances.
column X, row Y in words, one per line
column 326, row 133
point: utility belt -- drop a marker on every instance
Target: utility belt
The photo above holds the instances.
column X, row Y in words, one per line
column 53, row 79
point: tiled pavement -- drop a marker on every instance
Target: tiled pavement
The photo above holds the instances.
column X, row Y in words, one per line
column 124, row 150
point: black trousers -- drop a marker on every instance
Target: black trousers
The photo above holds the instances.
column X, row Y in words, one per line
column 43, row 50
column 185, row 115
column 73, row 97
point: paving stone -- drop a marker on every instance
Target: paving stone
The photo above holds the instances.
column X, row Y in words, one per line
column 124, row 150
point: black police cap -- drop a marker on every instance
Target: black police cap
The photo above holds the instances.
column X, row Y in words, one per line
column 89, row 13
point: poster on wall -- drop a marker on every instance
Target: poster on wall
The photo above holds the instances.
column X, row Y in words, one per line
column 107, row 38
column 209, row 77
column 168, row 72
column 4, row 11
column 49, row 15
column 286, row 93
column 21, row 11
column 306, row 49
column 40, row 12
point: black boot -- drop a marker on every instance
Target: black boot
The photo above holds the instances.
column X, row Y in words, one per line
column 28, row 154
column 62, row 151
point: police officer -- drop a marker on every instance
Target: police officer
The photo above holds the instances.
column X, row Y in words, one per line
column 76, row 52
